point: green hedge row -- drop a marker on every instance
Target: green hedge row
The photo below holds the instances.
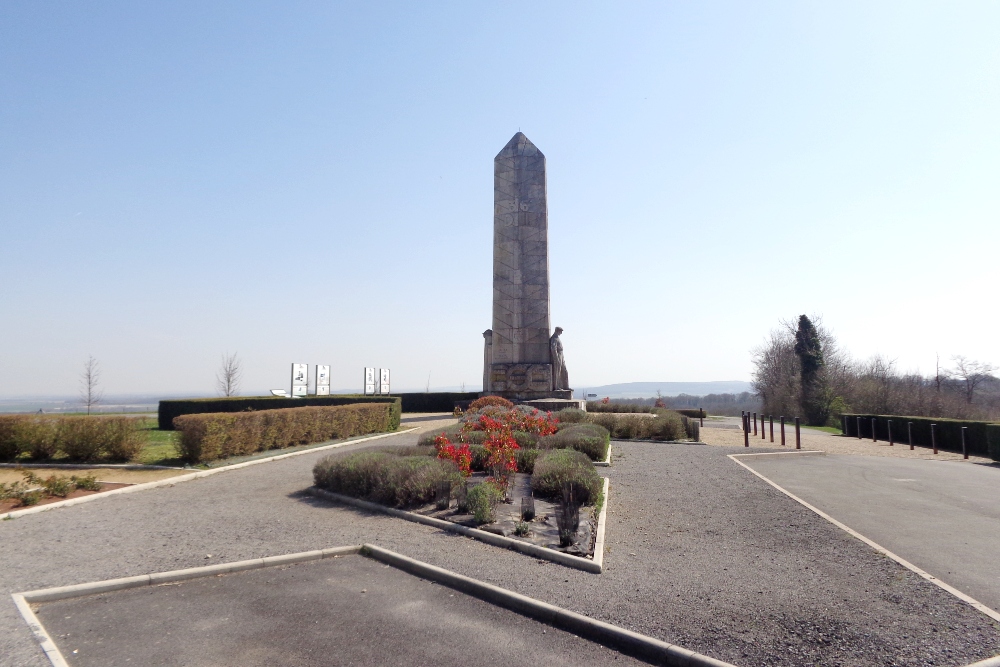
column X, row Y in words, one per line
column 171, row 409
column 947, row 432
column 207, row 437
column 85, row 439
column 436, row 401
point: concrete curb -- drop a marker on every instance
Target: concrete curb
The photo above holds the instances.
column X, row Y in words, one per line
column 170, row 481
column 595, row 566
column 602, row 521
column 78, row 466
column 109, row 585
column 607, row 459
column 626, row 641
column 765, row 455
column 41, row 634
column 979, row 606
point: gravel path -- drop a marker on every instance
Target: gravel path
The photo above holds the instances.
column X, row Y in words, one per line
column 701, row 553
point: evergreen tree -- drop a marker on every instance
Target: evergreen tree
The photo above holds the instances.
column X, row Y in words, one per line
column 814, row 397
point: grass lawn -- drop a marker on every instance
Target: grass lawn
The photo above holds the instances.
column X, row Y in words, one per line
column 161, row 447
column 826, row 429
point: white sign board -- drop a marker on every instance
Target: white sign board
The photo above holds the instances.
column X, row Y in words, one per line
column 322, row 380
column 369, row 381
column 300, row 379
column 383, row 380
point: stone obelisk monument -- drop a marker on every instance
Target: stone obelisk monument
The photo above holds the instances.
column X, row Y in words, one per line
column 518, row 357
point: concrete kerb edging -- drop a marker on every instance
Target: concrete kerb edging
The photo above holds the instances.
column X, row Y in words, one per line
column 595, row 566
column 170, row 481
column 24, row 600
column 78, row 466
column 979, row 606
column 621, row 639
column 607, row 459
column 804, row 452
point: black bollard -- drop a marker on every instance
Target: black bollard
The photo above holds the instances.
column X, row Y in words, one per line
column 888, row 426
column 965, row 454
column 798, row 439
column 909, row 433
column 874, row 437
column 859, row 428
column 771, row 418
column 782, row 430
column 933, row 439
column 755, row 423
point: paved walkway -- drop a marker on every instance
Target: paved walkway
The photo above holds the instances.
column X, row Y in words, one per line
column 700, row 553
column 941, row 516
column 726, row 432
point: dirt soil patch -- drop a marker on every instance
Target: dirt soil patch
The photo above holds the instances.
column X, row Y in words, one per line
column 14, row 504
column 543, row 529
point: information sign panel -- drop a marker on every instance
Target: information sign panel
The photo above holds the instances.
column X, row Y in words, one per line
column 322, row 380
column 369, row 381
column 383, row 380
column 300, row 379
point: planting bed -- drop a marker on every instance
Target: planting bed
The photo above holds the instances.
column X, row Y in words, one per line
column 12, row 504
column 543, row 530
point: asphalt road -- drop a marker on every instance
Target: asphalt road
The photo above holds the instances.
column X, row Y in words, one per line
column 304, row 615
column 942, row 516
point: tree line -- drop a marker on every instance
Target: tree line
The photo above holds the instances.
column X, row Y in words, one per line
column 800, row 370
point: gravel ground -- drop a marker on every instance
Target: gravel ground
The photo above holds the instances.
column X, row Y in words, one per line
column 700, row 553
column 712, row 434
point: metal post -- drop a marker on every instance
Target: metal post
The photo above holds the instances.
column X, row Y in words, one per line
column 782, row 430
column 965, row 454
column 771, row 417
column 859, row 428
column 933, row 439
column 888, row 425
column 874, row 437
column 746, row 430
column 909, row 433
column 763, row 431
column 755, row 423
column 798, row 439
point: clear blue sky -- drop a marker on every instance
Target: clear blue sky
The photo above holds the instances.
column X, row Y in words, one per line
column 312, row 182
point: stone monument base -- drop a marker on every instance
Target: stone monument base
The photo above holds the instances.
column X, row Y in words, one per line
column 556, row 404
column 522, row 396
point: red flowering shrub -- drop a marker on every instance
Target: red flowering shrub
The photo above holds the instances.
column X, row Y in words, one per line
column 501, row 459
column 498, row 401
column 460, row 455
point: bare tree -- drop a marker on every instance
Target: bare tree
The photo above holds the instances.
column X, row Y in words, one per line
column 230, row 375
column 90, row 378
column 971, row 374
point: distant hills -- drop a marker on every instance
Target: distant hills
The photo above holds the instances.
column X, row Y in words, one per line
column 649, row 389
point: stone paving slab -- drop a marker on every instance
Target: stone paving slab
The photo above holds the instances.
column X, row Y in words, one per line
column 338, row 611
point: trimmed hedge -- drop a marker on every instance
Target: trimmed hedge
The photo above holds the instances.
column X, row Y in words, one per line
column 525, row 440
column 436, row 401
column 666, row 425
column 207, row 437
column 171, row 409
column 590, row 439
column 556, row 467
column 993, row 441
column 947, row 432
column 379, row 476
column 87, row 439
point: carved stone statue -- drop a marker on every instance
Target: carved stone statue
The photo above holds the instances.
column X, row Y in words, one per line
column 560, row 377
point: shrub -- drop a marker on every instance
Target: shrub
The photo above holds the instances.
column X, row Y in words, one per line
column 557, row 467
column 397, row 481
column 591, row 439
column 27, row 433
column 207, row 437
column 526, row 460
column 599, row 406
column 171, row 409
column 498, row 401
column 86, row 483
column 482, row 501
column 665, row 425
column 571, row 416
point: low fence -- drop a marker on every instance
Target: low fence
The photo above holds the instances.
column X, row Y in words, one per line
column 767, row 430
column 945, row 434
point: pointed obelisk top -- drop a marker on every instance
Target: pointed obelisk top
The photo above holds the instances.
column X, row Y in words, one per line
column 519, row 145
